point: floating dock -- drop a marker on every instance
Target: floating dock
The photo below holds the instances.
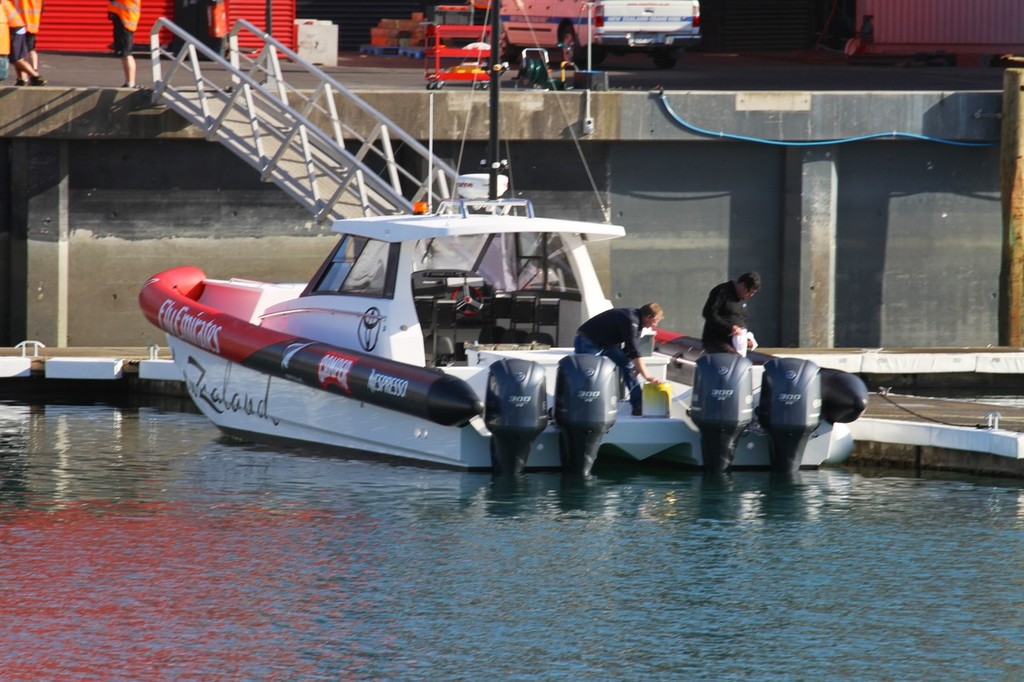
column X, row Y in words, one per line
column 898, row 430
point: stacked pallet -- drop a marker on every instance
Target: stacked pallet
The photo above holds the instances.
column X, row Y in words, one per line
column 399, row 32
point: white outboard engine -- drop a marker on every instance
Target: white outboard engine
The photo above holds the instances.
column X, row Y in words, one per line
column 515, row 412
column 586, row 398
column 722, row 406
column 790, row 409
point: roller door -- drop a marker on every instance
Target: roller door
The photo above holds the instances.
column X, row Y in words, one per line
column 76, row 26
column 255, row 12
column 751, row 25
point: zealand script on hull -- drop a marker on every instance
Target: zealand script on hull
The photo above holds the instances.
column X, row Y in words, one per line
column 221, row 397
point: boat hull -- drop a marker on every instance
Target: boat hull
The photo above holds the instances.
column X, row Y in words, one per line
column 250, row 404
column 247, row 402
column 256, row 382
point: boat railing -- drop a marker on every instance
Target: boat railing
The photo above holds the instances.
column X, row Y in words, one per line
column 297, row 139
column 466, row 207
column 327, row 311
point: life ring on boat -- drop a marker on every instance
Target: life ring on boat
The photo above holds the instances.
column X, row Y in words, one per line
column 468, row 300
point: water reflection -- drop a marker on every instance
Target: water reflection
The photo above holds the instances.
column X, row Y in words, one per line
column 140, row 544
column 51, row 454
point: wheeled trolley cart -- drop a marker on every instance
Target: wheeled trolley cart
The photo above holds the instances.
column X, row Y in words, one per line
column 457, row 54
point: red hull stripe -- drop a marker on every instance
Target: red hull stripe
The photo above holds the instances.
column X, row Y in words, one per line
column 169, row 301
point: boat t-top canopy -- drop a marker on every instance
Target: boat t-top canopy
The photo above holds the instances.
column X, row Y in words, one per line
column 464, row 218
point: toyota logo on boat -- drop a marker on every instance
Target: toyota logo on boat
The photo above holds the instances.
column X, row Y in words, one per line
column 369, row 328
column 333, row 370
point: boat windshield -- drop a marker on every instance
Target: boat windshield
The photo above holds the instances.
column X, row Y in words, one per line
column 358, row 266
column 508, row 262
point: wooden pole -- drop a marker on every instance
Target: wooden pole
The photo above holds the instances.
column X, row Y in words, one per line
column 1011, row 285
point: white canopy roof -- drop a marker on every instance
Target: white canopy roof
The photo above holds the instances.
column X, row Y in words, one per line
column 403, row 228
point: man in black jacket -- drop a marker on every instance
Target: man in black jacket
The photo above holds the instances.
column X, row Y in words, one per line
column 615, row 334
column 725, row 312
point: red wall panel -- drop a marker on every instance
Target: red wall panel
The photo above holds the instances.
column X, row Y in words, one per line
column 255, row 12
column 82, row 25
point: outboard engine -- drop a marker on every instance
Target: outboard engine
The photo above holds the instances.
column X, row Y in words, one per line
column 586, row 398
column 515, row 412
column 790, row 409
column 722, row 406
column 844, row 397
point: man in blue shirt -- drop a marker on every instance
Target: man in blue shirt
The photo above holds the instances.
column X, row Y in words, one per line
column 615, row 334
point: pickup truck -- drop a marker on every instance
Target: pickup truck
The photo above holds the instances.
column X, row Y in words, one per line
column 659, row 28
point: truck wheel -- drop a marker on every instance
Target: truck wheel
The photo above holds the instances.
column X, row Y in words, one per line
column 663, row 59
column 567, row 40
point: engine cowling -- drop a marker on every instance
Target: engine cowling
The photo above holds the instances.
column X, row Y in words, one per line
column 722, row 406
column 586, row 403
column 515, row 412
column 790, row 409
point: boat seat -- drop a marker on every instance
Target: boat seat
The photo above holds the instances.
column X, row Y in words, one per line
column 542, row 338
column 499, row 309
column 524, row 313
column 442, row 348
column 425, row 312
column 445, row 322
column 548, row 310
column 492, row 333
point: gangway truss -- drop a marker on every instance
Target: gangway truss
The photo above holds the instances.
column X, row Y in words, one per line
column 333, row 169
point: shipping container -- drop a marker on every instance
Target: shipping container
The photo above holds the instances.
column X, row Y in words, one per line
column 956, row 26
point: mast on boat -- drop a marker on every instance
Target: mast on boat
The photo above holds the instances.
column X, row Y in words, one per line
column 495, row 63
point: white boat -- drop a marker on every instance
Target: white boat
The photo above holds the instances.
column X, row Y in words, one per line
column 445, row 339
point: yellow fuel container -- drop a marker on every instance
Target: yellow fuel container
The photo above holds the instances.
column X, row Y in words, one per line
column 656, row 400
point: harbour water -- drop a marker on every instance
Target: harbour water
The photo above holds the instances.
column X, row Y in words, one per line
column 137, row 543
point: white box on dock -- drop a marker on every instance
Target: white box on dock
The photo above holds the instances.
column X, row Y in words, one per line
column 84, row 368
column 159, row 370
column 318, row 41
column 15, row 367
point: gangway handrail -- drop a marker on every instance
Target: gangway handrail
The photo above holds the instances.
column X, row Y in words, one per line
column 323, row 153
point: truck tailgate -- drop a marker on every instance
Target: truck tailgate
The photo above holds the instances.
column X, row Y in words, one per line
column 649, row 16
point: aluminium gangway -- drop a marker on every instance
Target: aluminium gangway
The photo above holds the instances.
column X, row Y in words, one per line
column 336, row 169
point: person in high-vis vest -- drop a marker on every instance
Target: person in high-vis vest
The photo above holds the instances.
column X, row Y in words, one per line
column 124, row 14
column 5, row 45
column 27, row 75
column 32, row 12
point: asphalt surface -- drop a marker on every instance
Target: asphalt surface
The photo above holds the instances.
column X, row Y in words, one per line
column 696, row 71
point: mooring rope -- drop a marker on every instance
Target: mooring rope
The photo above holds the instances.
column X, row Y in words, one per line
column 884, row 394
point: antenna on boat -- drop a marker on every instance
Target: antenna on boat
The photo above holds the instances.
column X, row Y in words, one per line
column 492, row 141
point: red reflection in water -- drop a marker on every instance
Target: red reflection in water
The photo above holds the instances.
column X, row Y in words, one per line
column 94, row 590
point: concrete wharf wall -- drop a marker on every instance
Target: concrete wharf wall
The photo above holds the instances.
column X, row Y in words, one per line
column 879, row 242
